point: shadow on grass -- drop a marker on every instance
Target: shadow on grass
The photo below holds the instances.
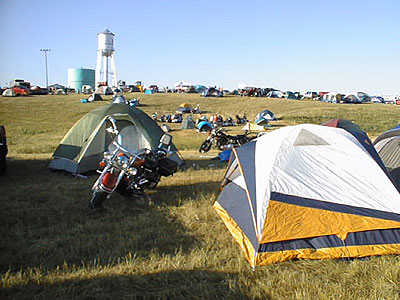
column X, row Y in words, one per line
column 187, row 284
column 44, row 221
column 177, row 195
column 212, row 162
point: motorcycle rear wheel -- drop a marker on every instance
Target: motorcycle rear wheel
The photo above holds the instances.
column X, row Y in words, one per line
column 97, row 199
column 205, row 146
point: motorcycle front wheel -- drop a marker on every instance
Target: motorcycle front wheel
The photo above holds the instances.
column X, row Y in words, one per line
column 97, row 199
column 205, row 147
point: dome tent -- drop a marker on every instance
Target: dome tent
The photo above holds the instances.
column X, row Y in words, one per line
column 187, row 123
column 9, row 93
column 308, row 192
column 265, row 117
column 82, row 148
column 388, row 147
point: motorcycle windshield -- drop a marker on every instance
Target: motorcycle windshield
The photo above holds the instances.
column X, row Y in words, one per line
column 132, row 139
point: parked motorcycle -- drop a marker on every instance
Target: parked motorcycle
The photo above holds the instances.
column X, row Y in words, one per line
column 130, row 173
column 223, row 141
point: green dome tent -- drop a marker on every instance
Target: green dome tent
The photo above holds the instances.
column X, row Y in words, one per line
column 82, row 147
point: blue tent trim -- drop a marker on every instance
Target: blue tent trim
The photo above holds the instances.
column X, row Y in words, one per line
column 372, row 237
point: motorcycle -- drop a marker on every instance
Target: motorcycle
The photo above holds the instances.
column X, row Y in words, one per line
column 130, row 173
column 223, row 141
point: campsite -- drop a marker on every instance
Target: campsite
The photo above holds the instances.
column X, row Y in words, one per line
column 171, row 244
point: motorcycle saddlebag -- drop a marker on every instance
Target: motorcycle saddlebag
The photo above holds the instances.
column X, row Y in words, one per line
column 167, row 167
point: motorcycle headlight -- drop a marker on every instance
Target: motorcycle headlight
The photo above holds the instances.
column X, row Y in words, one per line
column 107, row 155
column 123, row 161
column 132, row 171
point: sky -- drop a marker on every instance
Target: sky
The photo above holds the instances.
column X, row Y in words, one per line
column 295, row 45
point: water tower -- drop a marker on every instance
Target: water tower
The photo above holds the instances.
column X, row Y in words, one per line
column 105, row 52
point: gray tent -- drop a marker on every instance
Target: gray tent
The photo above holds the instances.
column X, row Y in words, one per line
column 187, row 123
column 388, row 147
column 212, row 92
column 9, row 93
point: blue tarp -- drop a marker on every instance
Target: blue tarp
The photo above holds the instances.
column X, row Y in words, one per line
column 225, row 155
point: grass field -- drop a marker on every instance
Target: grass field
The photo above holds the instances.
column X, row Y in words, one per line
column 176, row 247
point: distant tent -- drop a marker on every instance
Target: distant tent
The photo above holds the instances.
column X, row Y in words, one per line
column 82, row 147
column 185, row 108
column 103, row 90
column 191, row 89
column 265, row 117
column 148, row 92
column 332, row 97
column 59, row 92
column 212, row 92
column 187, row 123
column 119, row 99
column 388, row 147
column 184, row 104
column 351, row 98
column 342, row 123
column 9, row 93
column 308, row 192
column 204, row 126
column 200, row 88
column 95, row 97
column 255, row 127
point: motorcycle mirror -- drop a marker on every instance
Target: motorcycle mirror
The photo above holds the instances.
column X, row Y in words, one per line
column 166, row 139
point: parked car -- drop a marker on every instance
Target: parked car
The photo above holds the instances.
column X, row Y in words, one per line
column 3, row 150
column 311, row 95
column 154, row 88
column 275, row 94
column 290, row 95
column 21, row 91
column 37, row 90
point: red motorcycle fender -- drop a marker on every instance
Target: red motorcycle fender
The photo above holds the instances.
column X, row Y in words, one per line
column 109, row 181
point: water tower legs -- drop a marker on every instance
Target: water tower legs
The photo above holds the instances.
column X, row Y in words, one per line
column 114, row 72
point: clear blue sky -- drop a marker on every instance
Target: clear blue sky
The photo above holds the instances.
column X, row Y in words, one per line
column 290, row 45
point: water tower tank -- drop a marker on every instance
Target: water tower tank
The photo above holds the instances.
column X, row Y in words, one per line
column 79, row 77
column 105, row 42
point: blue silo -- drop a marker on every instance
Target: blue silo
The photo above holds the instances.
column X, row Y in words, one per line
column 79, row 77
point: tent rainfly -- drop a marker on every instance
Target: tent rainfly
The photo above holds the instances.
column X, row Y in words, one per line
column 82, row 148
column 308, row 192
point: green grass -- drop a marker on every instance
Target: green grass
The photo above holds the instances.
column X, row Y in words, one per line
column 172, row 247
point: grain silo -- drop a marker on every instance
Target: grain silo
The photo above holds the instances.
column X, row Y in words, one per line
column 79, row 77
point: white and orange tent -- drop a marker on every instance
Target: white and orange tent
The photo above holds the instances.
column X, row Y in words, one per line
column 308, row 192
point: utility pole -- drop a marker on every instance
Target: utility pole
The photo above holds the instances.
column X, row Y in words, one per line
column 45, row 59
